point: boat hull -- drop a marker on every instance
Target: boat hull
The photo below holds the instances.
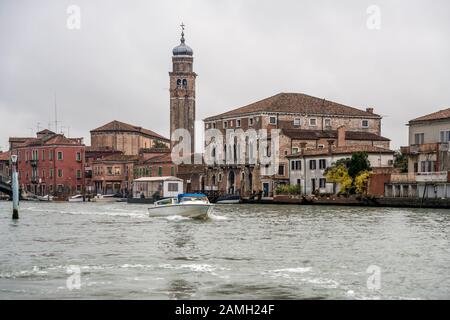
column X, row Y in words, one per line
column 195, row 211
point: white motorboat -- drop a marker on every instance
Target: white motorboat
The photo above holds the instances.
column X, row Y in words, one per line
column 76, row 198
column 45, row 198
column 195, row 206
column 105, row 198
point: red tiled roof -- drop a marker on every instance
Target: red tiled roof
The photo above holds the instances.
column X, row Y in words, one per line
column 55, row 139
column 4, row 156
column 343, row 150
column 121, row 126
column 331, row 134
column 296, row 103
column 119, row 158
column 439, row 115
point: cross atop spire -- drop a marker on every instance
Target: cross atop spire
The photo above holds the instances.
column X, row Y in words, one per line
column 182, row 25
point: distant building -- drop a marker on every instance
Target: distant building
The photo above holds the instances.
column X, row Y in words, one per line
column 302, row 119
column 428, row 155
column 124, row 137
column 113, row 174
column 307, row 168
column 50, row 164
column 5, row 172
column 158, row 165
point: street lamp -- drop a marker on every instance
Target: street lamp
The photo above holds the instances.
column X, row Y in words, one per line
column 15, row 187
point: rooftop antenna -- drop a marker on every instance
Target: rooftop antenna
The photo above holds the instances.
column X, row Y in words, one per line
column 56, row 115
column 38, row 126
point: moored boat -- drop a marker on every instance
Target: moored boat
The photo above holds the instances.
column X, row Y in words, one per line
column 196, row 206
column 76, row 198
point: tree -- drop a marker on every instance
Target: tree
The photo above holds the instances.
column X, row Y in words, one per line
column 361, row 182
column 358, row 163
column 401, row 161
column 339, row 174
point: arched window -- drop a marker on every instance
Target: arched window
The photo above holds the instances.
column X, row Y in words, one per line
column 213, row 180
column 179, row 83
column 184, row 83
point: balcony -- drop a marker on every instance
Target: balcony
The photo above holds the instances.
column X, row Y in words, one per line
column 425, row 148
column 34, row 163
column 432, row 176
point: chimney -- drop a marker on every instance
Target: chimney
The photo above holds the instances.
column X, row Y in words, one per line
column 330, row 147
column 302, row 147
column 341, row 136
column 369, row 110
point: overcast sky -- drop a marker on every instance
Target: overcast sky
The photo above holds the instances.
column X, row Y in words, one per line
column 116, row 66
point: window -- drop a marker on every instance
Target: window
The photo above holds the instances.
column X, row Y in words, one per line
column 43, row 155
column 313, row 122
column 117, row 171
column 78, row 156
column 296, row 165
column 43, row 174
column 220, row 177
column 109, row 171
column 416, row 167
column 273, row 120
column 185, row 83
column 445, row 136
column 281, row 170
column 60, row 173
column 179, row 83
column 286, row 152
column 322, row 183
column 320, row 146
column 297, row 122
column 60, row 155
column 327, row 123
column 365, row 123
column 322, row 164
column 173, row 187
column 78, row 174
column 213, row 180
column 207, row 126
column 312, row 164
column 50, row 155
column 419, row 138
column 160, row 171
column 225, row 124
column 78, row 188
column 34, row 155
column 214, row 125
column 172, row 171
column 51, row 173
column 294, row 150
column 250, row 121
column 238, row 123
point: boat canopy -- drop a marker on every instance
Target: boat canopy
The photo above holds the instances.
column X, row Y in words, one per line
column 191, row 195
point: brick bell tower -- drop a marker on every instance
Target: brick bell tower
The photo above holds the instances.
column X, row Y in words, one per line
column 182, row 90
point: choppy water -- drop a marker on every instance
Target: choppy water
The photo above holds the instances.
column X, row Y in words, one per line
column 242, row 252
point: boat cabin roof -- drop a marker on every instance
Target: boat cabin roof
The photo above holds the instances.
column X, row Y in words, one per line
column 155, row 179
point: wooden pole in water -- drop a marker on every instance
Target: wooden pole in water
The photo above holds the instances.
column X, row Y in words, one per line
column 15, row 188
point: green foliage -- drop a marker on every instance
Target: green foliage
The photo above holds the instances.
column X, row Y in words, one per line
column 352, row 174
column 288, row 189
column 339, row 174
column 159, row 145
column 361, row 182
column 358, row 163
column 401, row 162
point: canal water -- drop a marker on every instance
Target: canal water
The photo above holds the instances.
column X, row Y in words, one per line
column 115, row 251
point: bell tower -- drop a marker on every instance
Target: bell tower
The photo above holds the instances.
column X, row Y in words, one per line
column 182, row 90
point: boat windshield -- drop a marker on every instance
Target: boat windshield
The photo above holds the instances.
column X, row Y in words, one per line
column 165, row 202
column 194, row 199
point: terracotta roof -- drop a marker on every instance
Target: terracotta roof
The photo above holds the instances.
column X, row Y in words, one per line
column 19, row 139
column 343, row 150
column 296, row 103
column 4, row 156
column 121, row 126
column 55, row 139
column 45, row 131
column 119, row 157
column 439, row 115
column 331, row 134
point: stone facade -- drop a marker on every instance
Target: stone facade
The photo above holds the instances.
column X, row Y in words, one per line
column 301, row 121
column 182, row 94
column 126, row 138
